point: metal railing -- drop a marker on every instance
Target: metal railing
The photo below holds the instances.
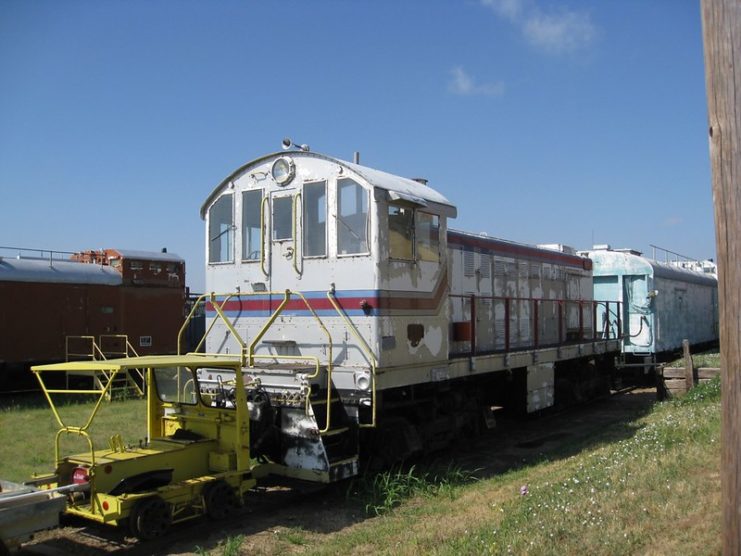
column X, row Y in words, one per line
column 247, row 351
column 528, row 314
column 365, row 348
column 38, row 254
column 96, row 352
column 102, row 390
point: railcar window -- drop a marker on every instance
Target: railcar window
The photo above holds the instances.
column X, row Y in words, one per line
column 282, row 218
column 427, row 236
column 315, row 219
column 401, row 233
column 176, row 385
column 352, row 218
column 251, row 205
column 221, row 230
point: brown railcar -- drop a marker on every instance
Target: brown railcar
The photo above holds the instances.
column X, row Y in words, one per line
column 45, row 300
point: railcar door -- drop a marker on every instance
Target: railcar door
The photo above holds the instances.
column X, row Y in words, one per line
column 284, row 255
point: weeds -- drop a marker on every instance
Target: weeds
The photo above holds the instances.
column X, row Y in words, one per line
column 231, row 545
column 295, row 535
column 385, row 491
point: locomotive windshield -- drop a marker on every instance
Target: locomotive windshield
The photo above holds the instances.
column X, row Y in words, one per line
column 352, row 218
column 251, row 202
column 221, row 230
column 315, row 219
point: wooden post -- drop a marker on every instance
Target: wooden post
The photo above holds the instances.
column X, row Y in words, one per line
column 689, row 375
column 721, row 25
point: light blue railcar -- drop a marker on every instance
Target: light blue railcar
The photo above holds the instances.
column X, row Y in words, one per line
column 661, row 303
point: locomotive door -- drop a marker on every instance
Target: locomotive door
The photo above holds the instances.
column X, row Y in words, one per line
column 283, row 241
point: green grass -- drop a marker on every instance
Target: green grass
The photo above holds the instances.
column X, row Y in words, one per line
column 705, row 359
column 654, row 491
column 647, row 486
column 27, row 431
column 231, row 545
column 384, row 491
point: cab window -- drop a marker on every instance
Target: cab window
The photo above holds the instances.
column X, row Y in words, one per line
column 427, row 236
column 401, row 232
column 221, row 230
column 251, row 236
column 352, row 218
column 282, row 218
column 176, row 385
column 315, row 219
column 413, row 234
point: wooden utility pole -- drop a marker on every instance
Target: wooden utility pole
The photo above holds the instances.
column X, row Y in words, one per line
column 721, row 24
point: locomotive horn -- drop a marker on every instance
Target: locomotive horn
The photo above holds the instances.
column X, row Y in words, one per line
column 287, row 144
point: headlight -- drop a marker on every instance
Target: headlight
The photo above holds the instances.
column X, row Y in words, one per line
column 362, row 380
column 283, row 170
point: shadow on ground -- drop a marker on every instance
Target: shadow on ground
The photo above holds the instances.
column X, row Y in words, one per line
column 271, row 510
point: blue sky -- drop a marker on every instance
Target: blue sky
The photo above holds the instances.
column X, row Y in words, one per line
column 544, row 122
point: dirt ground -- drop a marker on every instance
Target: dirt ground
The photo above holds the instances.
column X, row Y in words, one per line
column 328, row 510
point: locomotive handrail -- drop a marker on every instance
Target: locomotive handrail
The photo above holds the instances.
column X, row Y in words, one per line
column 198, row 301
column 262, row 236
column 228, row 324
column 294, row 255
column 248, row 351
column 364, row 347
column 266, row 327
column 251, row 349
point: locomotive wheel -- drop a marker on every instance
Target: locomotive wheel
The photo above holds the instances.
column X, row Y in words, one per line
column 219, row 499
column 150, row 518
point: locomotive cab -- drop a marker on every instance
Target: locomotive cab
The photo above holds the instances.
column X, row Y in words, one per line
column 308, row 223
column 325, row 274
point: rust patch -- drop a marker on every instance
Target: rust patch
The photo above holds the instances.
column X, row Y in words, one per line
column 415, row 333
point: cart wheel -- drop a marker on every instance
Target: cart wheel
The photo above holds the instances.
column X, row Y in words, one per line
column 150, row 518
column 219, row 499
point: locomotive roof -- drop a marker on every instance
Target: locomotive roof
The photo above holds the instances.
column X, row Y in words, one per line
column 57, row 271
column 398, row 187
column 504, row 247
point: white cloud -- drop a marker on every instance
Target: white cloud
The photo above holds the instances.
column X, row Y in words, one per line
column 564, row 32
column 555, row 33
column 672, row 221
column 511, row 9
column 464, row 84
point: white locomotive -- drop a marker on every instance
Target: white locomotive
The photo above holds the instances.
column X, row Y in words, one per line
column 366, row 325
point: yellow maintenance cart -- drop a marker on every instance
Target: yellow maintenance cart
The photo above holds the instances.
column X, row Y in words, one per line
column 194, row 461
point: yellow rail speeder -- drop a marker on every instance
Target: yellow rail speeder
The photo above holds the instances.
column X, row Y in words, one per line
column 194, row 461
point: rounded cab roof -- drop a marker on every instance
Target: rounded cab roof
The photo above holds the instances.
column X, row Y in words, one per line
column 399, row 189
